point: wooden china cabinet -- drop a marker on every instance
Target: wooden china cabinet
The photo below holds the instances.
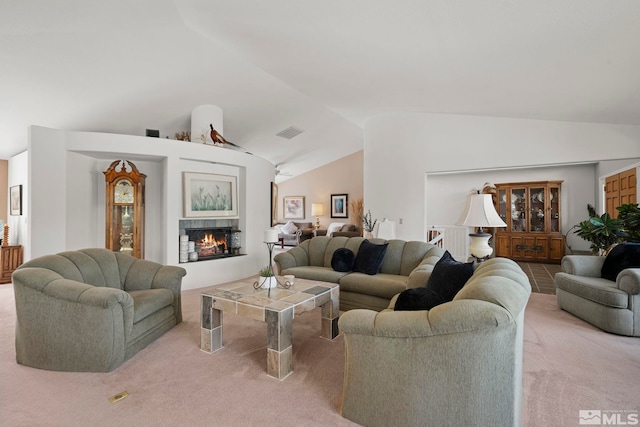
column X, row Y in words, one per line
column 533, row 216
column 125, row 208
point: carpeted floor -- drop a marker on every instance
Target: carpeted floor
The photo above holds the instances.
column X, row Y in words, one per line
column 568, row 366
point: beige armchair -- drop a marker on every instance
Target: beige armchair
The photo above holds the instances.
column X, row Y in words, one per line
column 458, row 364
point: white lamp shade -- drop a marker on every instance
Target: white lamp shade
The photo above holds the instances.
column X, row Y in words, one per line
column 317, row 209
column 480, row 212
column 270, row 235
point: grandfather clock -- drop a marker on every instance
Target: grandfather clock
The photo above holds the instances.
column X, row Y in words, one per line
column 125, row 208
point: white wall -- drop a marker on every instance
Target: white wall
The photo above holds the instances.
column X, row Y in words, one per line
column 344, row 176
column 67, row 196
column 17, row 175
column 401, row 149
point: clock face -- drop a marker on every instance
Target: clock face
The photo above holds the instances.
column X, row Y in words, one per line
column 123, row 192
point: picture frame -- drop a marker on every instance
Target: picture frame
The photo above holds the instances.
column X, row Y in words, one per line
column 15, row 200
column 274, row 203
column 339, row 206
column 208, row 195
column 293, row 207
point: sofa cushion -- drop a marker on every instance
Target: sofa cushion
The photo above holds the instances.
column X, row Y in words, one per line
column 342, row 260
column 378, row 285
column 624, row 255
column 449, row 276
column 596, row 289
column 369, row 258
column 289, row 228
column 417, row 299
column 148, row 301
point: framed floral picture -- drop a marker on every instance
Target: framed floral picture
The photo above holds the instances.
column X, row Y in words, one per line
column 293, row 207
column 208, row 195
column 339, row 206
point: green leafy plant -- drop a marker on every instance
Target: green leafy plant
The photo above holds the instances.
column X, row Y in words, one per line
column 601, row 231
column 367, row 222
column 266, row 272
column 629, row 214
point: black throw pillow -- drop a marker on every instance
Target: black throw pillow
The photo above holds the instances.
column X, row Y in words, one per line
column 369, row 258
column 449, row 276
column 624, row 255
column 417, row 299
column 342, row 260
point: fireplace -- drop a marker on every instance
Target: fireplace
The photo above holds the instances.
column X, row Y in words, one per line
column 212, row 242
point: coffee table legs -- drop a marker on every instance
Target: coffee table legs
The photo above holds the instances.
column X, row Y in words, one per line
column 210, row 325
column 330, row 314
column 279, row 343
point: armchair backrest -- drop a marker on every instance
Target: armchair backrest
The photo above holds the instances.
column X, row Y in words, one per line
column 99, row 267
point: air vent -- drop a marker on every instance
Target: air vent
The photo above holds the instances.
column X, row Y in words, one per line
column 290, row 132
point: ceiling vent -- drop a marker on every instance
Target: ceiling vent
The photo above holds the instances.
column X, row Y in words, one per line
column 290, row 132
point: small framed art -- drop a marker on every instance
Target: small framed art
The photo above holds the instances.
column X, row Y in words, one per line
column 15, row 199
column 293, row 207
column 339, row 206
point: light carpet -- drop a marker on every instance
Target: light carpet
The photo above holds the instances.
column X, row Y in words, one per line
column 568, row 366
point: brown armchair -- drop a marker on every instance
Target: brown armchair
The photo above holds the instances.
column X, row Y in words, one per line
column 347, row 230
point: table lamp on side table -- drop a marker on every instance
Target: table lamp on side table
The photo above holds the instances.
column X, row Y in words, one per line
column 480, row 212
column 317, row 210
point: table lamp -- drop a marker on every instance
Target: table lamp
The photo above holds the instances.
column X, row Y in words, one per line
column 317, row 210
column 480, row 212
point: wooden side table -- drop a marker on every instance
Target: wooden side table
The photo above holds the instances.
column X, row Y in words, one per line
column 10, row 259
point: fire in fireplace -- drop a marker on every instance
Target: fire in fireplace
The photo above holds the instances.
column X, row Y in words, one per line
column 211, row 242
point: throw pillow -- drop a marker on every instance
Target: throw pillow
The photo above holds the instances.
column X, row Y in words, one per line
column 342, row 260
column 624, row 255
column 449, row 276
column 289, row 228
column 369, row 258
column 417, row 299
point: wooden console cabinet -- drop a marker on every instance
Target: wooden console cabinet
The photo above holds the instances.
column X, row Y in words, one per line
column 533, row 216
column 10, row 259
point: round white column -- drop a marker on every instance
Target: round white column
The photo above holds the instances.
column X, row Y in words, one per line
column 201, row 117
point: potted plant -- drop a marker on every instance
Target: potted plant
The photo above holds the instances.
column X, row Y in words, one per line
column 629, row 214
column 267, row 278
column 368, row 224
column 601, row 231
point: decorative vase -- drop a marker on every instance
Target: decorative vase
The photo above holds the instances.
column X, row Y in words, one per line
column 268, row 282
column 368, row 235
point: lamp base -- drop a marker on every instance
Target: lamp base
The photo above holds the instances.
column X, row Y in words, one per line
column 479, row 247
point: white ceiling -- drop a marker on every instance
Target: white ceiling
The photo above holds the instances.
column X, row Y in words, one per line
column 123, row 66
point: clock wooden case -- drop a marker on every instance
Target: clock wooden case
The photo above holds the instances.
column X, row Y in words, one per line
column 125, row 208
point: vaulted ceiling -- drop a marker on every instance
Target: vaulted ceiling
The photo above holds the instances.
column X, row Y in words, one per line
column 124, row 66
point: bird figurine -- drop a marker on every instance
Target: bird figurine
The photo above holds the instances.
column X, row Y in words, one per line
column 220, row 140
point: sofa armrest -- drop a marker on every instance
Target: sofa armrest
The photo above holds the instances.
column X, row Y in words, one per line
column 170, row 277
column 628, row 280
column 346, row 234
column 583, row 265
column 294, row 257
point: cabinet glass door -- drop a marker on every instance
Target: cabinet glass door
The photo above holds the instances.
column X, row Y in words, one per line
column 536, row 212
column 554, row 209
column 502, row 205
column 518, row 209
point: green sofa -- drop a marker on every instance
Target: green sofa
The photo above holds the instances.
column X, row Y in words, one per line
column 406, row 264
column 611, row 306
column 458, row 364
column 92, row 309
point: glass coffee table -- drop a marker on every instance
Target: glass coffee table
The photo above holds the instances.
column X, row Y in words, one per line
column 278, row 311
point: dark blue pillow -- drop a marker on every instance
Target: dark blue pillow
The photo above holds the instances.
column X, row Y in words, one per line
column 624, row 255
column 342, row 260
column 417, row 299
column 369, row 258
column 449, row 276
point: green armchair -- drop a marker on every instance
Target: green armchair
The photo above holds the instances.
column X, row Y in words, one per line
column 92, row 309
